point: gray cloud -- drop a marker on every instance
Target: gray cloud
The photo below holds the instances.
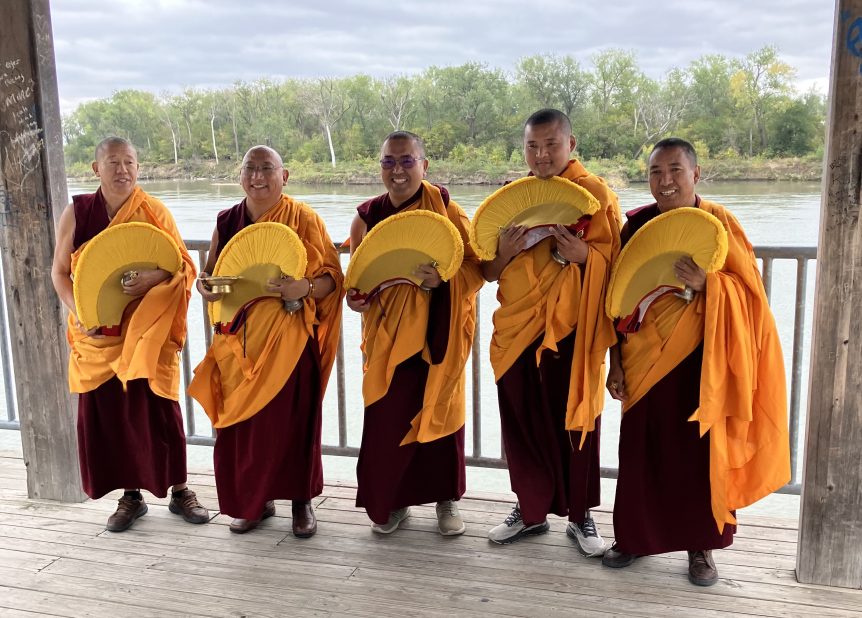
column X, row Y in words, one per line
column 172, row 44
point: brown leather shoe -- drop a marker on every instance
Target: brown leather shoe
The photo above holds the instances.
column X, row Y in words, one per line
column 304, row 521
column 701, row 568
column 187, row 505
column 128, row 510
column 241, row 526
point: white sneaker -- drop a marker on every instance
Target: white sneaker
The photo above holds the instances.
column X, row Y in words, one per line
column 449, row 520
column 395, row 519
column 513, row 528
column 590, row 542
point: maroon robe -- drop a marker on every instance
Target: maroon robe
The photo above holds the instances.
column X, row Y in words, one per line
column 391, row 476
column 663, row 492
column 132, row 439
column 547, row 470
column 275, row 454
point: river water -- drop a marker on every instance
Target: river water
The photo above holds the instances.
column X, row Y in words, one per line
column 773, row 213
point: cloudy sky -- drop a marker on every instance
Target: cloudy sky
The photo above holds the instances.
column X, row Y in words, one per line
column 160, row 45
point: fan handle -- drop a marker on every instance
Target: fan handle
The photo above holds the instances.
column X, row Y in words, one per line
column 687, row 294
column 292, row 306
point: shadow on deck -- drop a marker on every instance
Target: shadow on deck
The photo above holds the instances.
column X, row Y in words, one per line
column 57, row 559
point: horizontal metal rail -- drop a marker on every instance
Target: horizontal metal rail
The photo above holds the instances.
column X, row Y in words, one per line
column 768, row 255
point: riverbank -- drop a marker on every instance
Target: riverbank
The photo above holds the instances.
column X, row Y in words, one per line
column 619, row 173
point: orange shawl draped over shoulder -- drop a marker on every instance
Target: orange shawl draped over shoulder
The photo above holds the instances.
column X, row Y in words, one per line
column 242, row 373
column 743, row 394
column 395, row 329
column 539, row 298
column 154, row 327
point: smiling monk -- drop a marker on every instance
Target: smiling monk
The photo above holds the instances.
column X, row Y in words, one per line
column 548, row 349
column 130, row 429
column 263, row 379
column 416, row 342
column 704, row 428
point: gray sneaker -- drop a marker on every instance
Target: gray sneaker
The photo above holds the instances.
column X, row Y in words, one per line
column 395, row 519
column 590, row 542
column 449, row 520
column 513, row 528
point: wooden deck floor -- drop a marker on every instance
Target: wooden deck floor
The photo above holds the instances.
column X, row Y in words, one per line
column 57, row 559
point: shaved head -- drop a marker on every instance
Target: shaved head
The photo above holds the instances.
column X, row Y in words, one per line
column 550, row 116
column 261, row 149
column 112, row 141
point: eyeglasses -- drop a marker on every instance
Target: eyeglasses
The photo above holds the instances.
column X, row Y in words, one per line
column 406, row 162
column 266, row 170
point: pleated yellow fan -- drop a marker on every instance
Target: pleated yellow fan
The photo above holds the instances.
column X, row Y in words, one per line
column 396, row 246
column 646, row 262
column 533, row 202
column 256, row 254
column 96, row 285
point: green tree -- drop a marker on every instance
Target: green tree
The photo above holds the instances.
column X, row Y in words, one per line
column 759, row 80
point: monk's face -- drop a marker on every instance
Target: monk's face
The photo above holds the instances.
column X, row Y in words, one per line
column 402, row 182
column 262, row 177
column 547, row 149
column 672, row 177
column 117, row 169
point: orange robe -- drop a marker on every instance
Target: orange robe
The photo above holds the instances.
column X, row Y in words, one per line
column 395, row 328
column 154, row 327
column 743, row 400
column 240, row 375
column 538, row 298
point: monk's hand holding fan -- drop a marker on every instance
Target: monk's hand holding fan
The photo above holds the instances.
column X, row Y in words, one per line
column 289, row 288
column 357, row 301
column 569, row 246
column 428, row 274
column 138, row 282
column 512, row 241
column 689, row 273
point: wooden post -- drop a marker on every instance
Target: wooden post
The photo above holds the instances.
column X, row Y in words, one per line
column 830, row 530
column 32, row 196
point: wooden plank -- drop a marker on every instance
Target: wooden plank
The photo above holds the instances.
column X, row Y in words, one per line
column 32, row 195
column 830, row 532
column 69, row 579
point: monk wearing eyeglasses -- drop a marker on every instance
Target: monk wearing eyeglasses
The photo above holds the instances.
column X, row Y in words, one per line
column 263, row 379
column 416, row 342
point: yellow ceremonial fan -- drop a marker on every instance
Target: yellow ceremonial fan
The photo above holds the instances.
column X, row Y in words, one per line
column 256, row 254
column 398, row 245
column 646, row 262
column 536, row 203
column 106, row 258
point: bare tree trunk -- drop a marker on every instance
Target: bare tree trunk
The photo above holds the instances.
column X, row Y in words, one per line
column 173, row 138
column 329, row 140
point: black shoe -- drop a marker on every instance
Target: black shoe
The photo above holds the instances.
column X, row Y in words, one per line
column 616, row 559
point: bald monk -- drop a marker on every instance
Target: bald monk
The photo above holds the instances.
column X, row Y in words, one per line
column 704, row 428
column 130, row 429
column 550, row 339
column 263, row 379
column 416, row 342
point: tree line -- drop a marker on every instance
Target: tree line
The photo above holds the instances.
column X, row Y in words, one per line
column 728, row 107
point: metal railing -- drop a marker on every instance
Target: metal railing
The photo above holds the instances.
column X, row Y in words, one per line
column 768, row 255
